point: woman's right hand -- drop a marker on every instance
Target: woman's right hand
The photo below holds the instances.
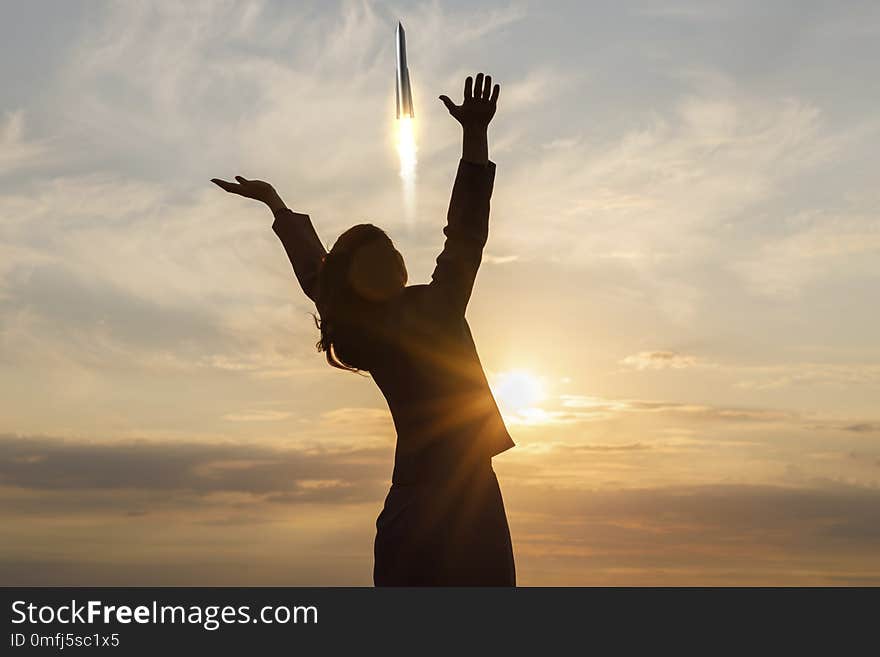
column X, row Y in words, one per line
column 259, row 190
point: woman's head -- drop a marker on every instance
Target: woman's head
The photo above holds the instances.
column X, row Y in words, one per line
column 361, row 272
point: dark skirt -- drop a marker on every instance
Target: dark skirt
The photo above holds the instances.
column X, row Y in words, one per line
column 445, row 533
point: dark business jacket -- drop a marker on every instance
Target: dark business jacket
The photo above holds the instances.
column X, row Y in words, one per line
column 428, row 370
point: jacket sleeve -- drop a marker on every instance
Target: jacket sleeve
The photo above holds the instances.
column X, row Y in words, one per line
column 303, row 247
column 467, row 229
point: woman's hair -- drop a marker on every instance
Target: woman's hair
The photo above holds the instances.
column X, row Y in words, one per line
column 349, row 318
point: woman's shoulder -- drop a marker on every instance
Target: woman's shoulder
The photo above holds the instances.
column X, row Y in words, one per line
column 415, row 290
column 420, row 303
column 417, row 297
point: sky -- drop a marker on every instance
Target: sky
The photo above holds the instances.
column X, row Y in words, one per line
column 677, row 309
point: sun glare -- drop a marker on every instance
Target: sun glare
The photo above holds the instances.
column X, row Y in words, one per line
column 517, row 391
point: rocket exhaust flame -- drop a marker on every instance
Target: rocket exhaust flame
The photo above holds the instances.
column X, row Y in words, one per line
column 406, row 150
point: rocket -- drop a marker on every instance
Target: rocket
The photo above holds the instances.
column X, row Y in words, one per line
column 404, row 91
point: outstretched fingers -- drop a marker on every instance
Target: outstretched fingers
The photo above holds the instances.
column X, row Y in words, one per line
column 227, row 186
column 448, row 102
column 242, row 187
column 479, row 88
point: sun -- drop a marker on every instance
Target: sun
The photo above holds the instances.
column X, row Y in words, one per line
column 517, row 390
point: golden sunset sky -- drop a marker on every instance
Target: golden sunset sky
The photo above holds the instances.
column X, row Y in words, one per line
column 678, row 306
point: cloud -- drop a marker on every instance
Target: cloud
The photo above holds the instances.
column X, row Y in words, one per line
column 491, row 259
column 696, row 165
column 16, row 153
column 863, row 427
column 463, row 28
column 572, row 410
column 599, row 408
column 312, row 475
column 607, row 448
column 762, row 376
column 771, row 377
column 100, row 270
column 569, row 526
column 534, row 89
column 719, row 534
column 686, row 12
column 659, row 360
column 256, row 415
column 704, row 182
column 62, row 299
column 818, row 245
column 700, row 535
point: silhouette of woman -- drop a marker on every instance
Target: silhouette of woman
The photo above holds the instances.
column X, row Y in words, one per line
column 443, row 522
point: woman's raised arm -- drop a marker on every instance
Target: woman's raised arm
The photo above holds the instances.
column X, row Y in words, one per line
column 295, row 230
column 467, row 222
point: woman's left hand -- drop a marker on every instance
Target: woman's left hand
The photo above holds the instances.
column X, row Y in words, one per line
column 479, row 105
